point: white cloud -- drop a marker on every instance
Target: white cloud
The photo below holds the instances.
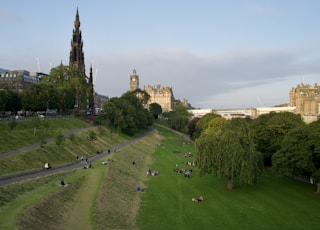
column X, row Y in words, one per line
column 201, row 79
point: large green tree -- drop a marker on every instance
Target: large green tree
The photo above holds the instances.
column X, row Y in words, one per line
column 203, row 124
column 300, row 153
column 268, row 131
column 229, row 153
column 155, row 109
column 40, row 98
column 72, row 87
column 179, row 118
column 127, row 114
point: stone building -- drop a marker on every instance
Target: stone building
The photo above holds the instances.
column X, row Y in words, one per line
column 306, row 99
column 158, row 94
column 18, row 80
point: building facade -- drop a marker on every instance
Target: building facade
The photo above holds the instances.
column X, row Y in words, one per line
column 18, row 80
column 158, row 94
column 306, row 99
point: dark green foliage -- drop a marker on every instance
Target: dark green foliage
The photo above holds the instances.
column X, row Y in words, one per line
column 127, row 114
column 192, row 131
column 230, row 154
column 62, row 90
column 10, row 101
column 300, row 153
column 203, row 123
column 92, row 135
column 155, row 109
column 179, row 118
column 268, row 131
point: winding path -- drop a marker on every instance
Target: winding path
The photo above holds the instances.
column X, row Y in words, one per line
column 43, row 172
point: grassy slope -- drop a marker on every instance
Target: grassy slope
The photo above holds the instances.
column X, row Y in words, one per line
column 26, row 132
column 89, row 202
column 274, row 203
column 75, row 145
column 118, row 201
column 114, row 203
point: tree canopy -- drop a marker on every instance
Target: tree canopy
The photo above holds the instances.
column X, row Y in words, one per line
column 179, row 118
column 127, row 114
column 202, row 124
column 268, row 131
column 299, row 154
column 229, row 153
column 155, row 109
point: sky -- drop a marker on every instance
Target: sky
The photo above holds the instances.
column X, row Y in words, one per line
column 215, row 54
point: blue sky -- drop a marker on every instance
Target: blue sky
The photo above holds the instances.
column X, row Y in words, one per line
column 216, row 54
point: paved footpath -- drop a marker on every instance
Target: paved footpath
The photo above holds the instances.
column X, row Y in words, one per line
column 36, row 145
column 43, row 172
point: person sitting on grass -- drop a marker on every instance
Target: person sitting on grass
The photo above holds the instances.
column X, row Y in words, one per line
column 199, row 199
column 64, row 184
column 47, row 165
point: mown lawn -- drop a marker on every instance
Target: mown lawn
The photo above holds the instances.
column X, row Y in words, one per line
column 27, row 132
column 274, row 203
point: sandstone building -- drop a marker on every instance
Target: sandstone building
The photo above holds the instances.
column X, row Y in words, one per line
column 306, row 99
column 158, row 94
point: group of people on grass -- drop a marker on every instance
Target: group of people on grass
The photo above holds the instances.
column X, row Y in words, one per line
column 153, row 172
column 186, row 172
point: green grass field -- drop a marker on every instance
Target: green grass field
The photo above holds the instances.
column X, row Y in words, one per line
column 106, row 196
column 274, row 203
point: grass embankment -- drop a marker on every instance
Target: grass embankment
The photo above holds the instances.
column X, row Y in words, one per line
column 27, row 132
column 104, row 197
column 113, row 202
column 274, row 203
column 77, row 144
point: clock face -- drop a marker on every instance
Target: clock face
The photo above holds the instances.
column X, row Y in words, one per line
column 133, row 79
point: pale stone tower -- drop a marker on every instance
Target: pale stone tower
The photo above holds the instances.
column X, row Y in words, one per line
column 306, row 99
column 134, row 81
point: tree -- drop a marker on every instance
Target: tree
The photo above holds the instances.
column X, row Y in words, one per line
column 92, row 136
column 4, row 100
column 230, row 153
column 35, row 124
column 59, row 139
column 179, row 118
column 155, row 109
column 268, row 131
column 299, row 154
column 14, row 102
column 215, row 125
column 203, row 123
column 192, row 131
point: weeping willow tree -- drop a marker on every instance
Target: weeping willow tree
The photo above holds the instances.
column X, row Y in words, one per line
column 229, row 153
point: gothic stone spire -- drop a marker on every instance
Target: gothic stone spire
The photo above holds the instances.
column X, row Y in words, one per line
column 76, row 60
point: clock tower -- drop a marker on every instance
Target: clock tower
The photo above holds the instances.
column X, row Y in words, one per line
column 134, row 81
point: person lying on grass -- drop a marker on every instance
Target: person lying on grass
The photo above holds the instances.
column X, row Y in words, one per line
column 199, row 199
